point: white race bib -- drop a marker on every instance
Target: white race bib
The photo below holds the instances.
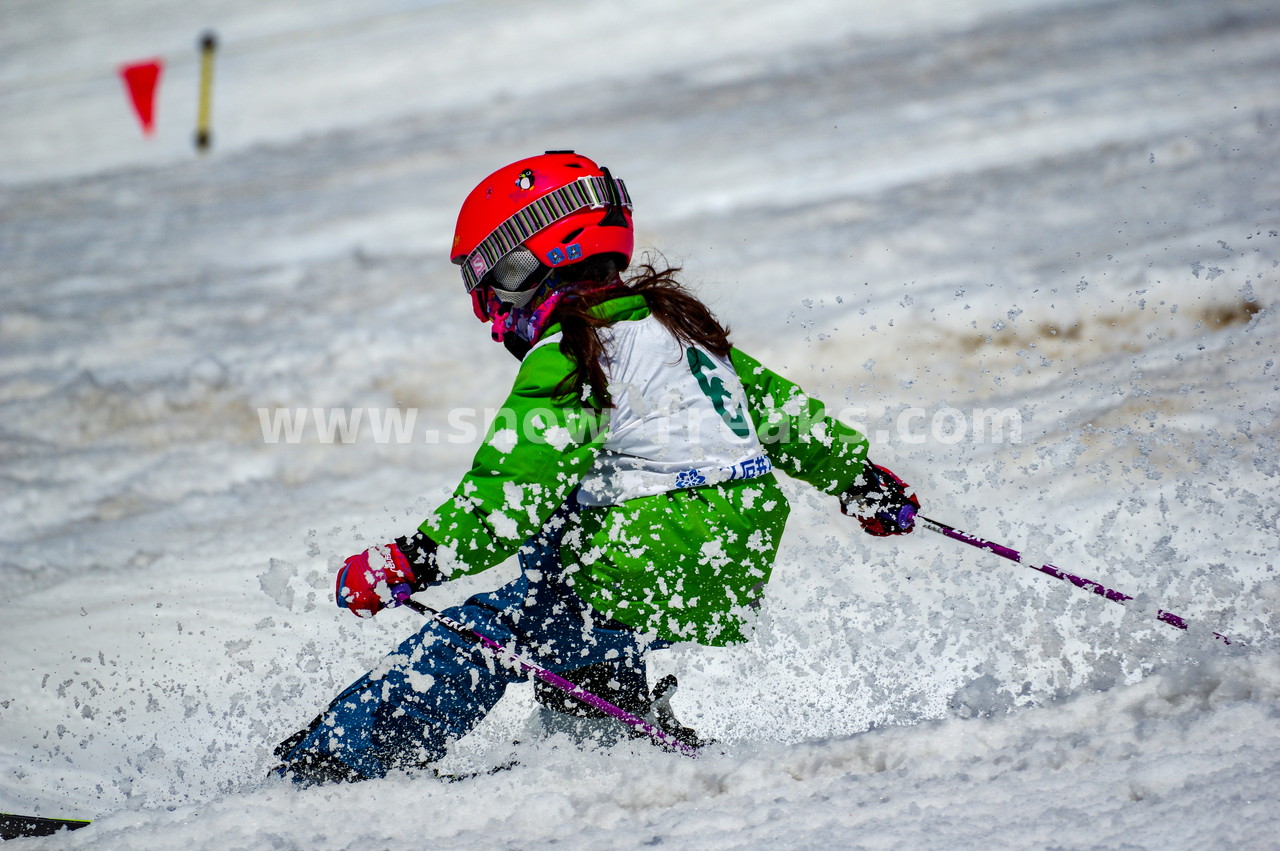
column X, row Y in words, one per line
column 679, row 420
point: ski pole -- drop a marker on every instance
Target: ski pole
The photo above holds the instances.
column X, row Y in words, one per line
column 1056, row 572
column 510, row 656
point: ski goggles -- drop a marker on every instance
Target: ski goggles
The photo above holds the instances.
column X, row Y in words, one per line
column 513, row 284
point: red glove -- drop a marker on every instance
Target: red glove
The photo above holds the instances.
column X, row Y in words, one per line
column 884, row 504
column 376, row 579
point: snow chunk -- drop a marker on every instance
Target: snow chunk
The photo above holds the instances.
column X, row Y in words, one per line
column 421, row 683
column 503, row 525
column 557, row 437
column 274, row 581
column 504, row 440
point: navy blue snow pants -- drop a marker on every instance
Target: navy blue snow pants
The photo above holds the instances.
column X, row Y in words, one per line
column 437, row 685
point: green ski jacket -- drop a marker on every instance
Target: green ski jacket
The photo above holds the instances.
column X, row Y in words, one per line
column 686, row 565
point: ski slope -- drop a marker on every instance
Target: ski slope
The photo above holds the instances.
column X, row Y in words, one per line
column 1030, row 247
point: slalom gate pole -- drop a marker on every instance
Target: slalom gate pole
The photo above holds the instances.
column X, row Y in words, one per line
column 508, row 656
column 1056, row 572
column 204, row 115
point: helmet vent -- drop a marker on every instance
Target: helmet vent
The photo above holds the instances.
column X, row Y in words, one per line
column 572, row 236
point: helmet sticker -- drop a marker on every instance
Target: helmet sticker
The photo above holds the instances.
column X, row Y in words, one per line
column 574, row 251
column 525, row 180
column 555, row 257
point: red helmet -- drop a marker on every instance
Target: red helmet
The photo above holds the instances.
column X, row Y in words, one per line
column 559, row 207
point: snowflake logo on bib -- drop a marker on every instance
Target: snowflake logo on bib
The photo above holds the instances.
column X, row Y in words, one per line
column 690, row 479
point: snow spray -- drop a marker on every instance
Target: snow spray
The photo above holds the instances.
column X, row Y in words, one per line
column 1056, row 572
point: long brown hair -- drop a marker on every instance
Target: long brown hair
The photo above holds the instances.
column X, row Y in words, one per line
column 687, row 318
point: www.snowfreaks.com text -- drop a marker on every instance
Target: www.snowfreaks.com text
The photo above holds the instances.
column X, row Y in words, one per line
column 912, row 425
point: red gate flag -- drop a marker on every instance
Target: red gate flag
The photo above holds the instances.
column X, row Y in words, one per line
column 141, row 80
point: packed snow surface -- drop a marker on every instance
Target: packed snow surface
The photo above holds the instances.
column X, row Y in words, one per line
column 1030, row 247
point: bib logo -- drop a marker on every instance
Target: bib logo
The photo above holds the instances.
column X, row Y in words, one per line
column 704, row 369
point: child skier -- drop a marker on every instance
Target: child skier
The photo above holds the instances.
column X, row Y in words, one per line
column 630, row 469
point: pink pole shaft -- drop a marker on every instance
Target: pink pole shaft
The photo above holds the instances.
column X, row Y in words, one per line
column 1056, row 572
column 509, row 656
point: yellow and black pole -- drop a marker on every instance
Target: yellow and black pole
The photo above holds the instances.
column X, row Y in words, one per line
column 204, row 135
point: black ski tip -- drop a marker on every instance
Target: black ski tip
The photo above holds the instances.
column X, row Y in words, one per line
column 18, row 827
column 456, row 777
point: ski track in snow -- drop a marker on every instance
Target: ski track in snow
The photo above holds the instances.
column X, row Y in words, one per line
column 1063, row 210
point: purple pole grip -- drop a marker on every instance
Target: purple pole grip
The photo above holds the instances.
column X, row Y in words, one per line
column 903, row 518
column 401, row 592
column 906, row 517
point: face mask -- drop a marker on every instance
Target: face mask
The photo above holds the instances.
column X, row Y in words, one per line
column 526, row 323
